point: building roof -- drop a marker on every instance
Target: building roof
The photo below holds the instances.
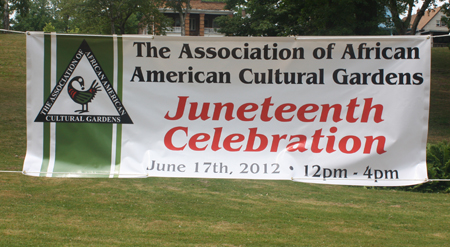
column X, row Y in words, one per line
column 426, row 18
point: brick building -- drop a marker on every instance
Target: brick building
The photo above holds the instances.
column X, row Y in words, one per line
column 200, row 19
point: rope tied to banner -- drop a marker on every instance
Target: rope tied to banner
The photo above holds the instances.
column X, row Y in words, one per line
column 11, row 31
column 445, row 35
column 114, row 35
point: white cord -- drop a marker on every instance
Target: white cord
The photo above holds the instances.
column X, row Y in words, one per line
column 11, row 31
column 445, row 35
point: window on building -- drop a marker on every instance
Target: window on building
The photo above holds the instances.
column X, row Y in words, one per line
column 192, row 24
column 177, row 22
column 438, row 23
column 210, row 21
column 214, row 23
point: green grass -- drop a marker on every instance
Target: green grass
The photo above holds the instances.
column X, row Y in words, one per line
column 200, row 212
column 12, row 101
column 205, row 212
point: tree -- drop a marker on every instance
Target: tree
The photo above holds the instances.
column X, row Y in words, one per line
column 65, row 15
column 308, row 17
column 57, row 13
column 262, row 18
column 419, row 15
column 446, row 10
column 8, row 6
column 6, row 15
column 182, row 7
column 397, row 8
column 92, row 16
column 118, row 12
column 39, row 14
column 343, row 17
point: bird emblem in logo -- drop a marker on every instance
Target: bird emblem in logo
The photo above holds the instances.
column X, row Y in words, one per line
column 82, row 97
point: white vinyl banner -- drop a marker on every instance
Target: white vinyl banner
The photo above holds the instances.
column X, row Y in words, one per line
column 332, row 110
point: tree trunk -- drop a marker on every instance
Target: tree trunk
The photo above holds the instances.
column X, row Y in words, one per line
column 113, row 29
column 421, row 13
column 182, row 23
column 122, row 27
column 6, row 15
column 400, row 25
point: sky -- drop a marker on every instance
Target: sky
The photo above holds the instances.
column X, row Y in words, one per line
column 438, row 3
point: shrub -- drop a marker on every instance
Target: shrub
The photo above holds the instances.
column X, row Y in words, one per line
column 49, row 28
column 438, row 164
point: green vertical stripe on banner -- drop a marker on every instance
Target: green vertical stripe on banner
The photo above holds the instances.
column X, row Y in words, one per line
column 119, row 91
column 84, row 147
column 47, row 89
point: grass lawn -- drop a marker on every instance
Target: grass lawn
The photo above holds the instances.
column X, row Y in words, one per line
column 439, row 124
column 206, row 212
